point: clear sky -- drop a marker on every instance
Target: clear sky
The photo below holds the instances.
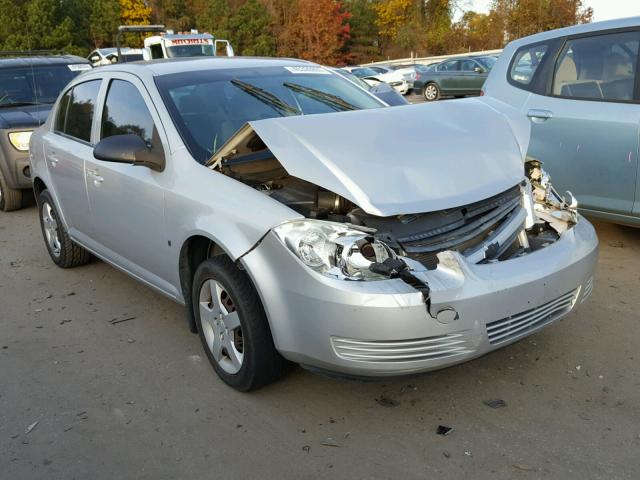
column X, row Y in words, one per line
column 602, row 9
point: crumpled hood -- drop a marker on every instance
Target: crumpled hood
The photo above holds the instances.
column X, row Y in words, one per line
column 403, row 160
column 17, row 117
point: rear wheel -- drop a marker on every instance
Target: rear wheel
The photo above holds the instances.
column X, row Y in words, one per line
column 62, row 250
column 233, row 326
column 431, row 92
column 10, row 198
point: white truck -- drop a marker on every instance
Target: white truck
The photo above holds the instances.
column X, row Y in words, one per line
column 167, row 44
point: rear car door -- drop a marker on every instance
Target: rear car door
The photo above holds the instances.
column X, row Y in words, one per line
column 585, row 125
column 127, row 201
column 67, row 147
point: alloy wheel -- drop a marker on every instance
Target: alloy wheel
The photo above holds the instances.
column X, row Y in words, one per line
column 431, row 92
column 51, row 229
column 221, row 326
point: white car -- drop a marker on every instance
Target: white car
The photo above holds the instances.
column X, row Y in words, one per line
column 377, row 74
column 106, row 56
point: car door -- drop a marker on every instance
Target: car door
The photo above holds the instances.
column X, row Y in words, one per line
column 127, row 201
column 585, row 128
column 448, row 76
column 67, row 146
column 472, row 76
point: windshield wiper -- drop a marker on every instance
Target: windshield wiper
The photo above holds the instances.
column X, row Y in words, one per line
column 19, row 104
column 324, row 97
column 265, row 97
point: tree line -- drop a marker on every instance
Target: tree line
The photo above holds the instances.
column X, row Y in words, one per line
column 331, row 32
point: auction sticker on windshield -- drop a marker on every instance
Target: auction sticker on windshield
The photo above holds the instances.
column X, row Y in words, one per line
column 309, row 69
column 79, row 67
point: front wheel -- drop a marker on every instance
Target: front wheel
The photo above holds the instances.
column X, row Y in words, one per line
column 431, row 92
column 233, row 326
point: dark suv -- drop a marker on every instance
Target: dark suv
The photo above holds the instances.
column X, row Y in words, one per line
column 29, row 85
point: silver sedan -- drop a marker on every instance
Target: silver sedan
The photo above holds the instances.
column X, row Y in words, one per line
column 299, row 220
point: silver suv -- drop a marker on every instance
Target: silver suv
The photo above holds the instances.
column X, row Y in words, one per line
column 299, row 221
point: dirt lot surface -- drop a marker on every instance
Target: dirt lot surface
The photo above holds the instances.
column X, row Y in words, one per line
column 85, row 397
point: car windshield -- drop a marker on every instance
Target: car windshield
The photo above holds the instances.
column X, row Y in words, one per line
column 190, row 51
column 364, row 72
column 209, row 106
column 486, row 62
column 34, row 85
column 131, row 57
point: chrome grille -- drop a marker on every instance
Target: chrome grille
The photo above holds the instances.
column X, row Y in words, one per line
column 429, row 348
column 518, row 325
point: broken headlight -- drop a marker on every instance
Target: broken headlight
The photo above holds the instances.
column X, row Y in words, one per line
column 334, row 249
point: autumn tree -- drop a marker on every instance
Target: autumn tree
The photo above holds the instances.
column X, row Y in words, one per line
column 317, row 31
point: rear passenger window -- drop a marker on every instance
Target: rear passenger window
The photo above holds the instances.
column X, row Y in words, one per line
column 600, row 67
column 526, row 61
column 75, row 113
column 126, row 112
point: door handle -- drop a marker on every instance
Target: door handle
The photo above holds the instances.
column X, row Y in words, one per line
column 539, row 115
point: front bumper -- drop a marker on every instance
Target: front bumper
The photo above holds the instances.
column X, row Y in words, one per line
column 382, row 328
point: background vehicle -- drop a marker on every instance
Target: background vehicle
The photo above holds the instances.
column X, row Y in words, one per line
column 382, row 90
column 457, row 77
column 579, row 86
column 167, row 44
column 107, row 56
column 262, row 194
column 29, row 85
column 376, row 75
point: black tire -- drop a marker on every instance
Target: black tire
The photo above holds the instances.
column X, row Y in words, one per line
column 431, row 92
column 261, row 362
column 70, row 254
column 10, row 198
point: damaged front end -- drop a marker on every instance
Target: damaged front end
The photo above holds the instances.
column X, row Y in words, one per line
column 340, row 240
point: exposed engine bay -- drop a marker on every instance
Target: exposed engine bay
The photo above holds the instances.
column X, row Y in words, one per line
column 525, row 218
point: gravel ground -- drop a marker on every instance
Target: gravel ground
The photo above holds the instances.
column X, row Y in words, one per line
column 83, row 396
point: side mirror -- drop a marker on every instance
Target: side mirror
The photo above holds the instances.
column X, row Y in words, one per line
column 229, row 49
column 478, row 70
column 130, row 149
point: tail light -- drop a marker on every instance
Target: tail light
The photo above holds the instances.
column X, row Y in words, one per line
column 481, row 93
column 417, row 76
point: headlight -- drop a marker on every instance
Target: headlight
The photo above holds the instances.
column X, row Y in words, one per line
column 20, row 140
column 334, row 249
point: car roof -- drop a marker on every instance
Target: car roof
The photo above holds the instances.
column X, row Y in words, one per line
column 193, row 64
column 38, row 60
column 579, row 29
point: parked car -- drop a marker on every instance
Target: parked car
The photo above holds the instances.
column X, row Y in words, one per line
column 407, row 71
column 457, row 77
column 106, row 56
column 579, row 88
column 29, row 84
column 377, row 75
column 262, row 194
column 382, row 90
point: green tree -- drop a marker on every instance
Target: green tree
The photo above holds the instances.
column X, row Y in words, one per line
column 214, row 18
column 251, row 30
column 104, row 21
column 364, row 42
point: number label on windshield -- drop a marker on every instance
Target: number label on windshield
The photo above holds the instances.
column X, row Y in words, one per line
column 309, row 69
